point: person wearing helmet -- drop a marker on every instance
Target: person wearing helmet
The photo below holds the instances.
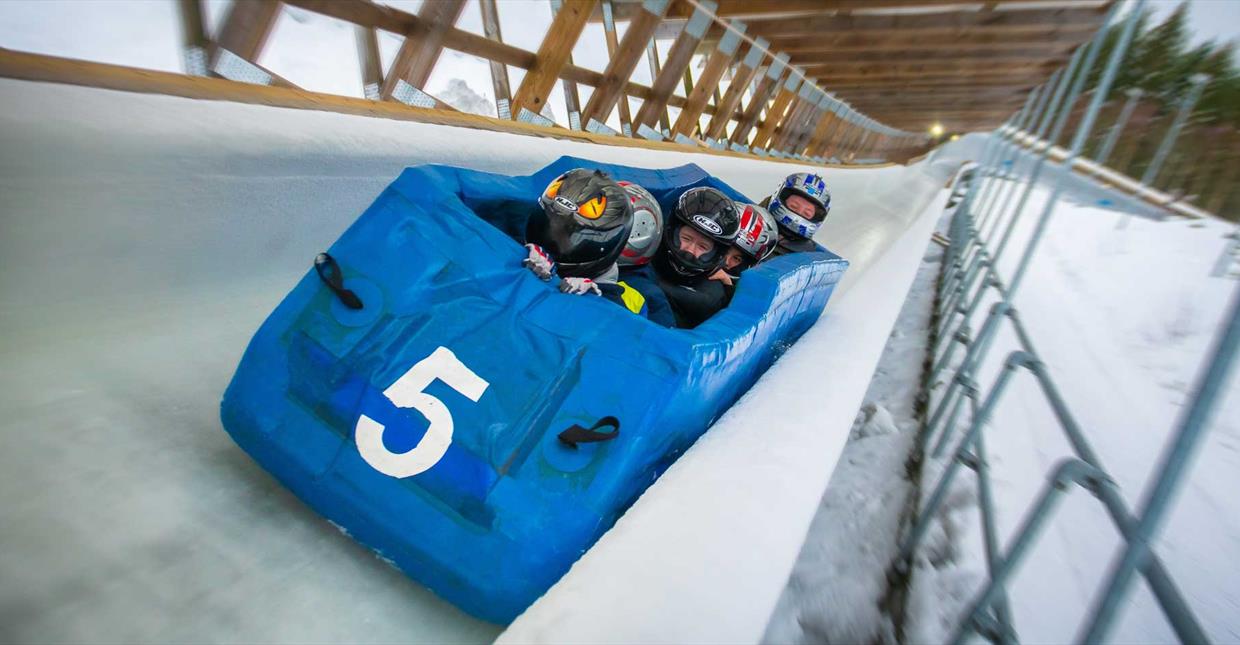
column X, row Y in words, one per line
column 579, row 232
column 755, row 241
column 799, row 205
column 705, row 222
column 634, row 261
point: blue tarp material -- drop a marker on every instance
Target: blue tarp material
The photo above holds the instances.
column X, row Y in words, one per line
column 426, row 422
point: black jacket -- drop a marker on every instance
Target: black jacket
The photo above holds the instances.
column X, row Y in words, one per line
column 692, row 303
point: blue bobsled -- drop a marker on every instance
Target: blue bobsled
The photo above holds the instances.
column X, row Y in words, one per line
column 428, row 422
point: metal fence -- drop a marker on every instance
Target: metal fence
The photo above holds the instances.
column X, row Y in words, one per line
column 984, row 221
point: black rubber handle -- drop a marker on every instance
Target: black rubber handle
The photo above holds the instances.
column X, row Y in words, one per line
column 576, row 434
column 329, row 273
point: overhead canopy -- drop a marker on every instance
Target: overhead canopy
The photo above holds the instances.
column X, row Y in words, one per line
column 913, row 63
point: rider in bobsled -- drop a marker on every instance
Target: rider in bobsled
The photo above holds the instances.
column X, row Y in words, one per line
column 705, row 223
column 635, row 269
column 799, row 205
column 579, row 232
column 755, row 242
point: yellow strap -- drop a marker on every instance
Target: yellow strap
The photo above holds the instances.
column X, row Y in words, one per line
column 632, row 298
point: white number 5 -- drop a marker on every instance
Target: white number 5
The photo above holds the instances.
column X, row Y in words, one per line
column 407, row 392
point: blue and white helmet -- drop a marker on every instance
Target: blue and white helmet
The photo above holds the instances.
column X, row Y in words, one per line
column 812, row 188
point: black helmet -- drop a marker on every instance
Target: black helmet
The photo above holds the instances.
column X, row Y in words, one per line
column 584, row 222
column 710, row 212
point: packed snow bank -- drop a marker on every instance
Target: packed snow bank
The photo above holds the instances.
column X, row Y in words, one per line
column 145, row 239
column 1122, row 318
column 838, row 588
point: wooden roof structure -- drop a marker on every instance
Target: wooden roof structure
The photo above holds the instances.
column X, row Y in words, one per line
column 847, row 81
column 912, row 63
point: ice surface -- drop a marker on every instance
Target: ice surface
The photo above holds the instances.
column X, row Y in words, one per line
column 144, row 240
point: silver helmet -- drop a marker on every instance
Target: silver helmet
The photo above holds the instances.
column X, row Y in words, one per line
column 647, row 226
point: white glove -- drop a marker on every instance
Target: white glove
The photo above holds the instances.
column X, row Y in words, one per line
column 539, row 262
column 579, row 286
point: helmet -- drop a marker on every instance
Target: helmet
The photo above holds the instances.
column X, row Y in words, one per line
column 758, row 234
column 647, row 226
column 808, row 186
column 709, row 212
column 584, row 222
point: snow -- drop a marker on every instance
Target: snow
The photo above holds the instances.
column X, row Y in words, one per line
column 839, row 586
column 145, row 239
column 1123, row 318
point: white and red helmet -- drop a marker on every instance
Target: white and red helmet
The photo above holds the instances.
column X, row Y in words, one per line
column 647, row 226
column 758, row 235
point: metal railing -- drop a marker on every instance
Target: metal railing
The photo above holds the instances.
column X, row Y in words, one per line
column 970, row 275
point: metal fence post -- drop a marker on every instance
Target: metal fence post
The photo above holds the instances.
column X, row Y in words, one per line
column 1190, row 99
column 1134, row 95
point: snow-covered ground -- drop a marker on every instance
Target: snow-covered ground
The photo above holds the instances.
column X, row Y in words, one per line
column 1123, row 318
column 837, row 589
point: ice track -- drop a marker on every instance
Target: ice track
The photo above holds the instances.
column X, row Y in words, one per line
column 144, row 238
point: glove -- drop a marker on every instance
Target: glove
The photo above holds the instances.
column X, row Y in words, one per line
column 579, row 286
column 539, row 262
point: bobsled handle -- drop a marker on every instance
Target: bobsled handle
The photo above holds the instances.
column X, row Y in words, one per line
column 576, row 434
column 329, row 273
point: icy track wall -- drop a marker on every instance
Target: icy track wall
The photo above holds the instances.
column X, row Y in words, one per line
column 144, row 240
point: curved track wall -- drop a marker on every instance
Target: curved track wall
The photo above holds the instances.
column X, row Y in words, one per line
column 144, row 239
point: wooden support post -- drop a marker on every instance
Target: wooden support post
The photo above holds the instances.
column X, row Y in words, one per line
column 770, row 81
column 622, row 62
column 801, row 112
column 613, row 43
column 652, row 57
column 418, row 54
column 736, row 89
column 368, row 57
column 247, row 27
column 499, row 72
column 708, row 83
column 572, row 100
column 813, row 145
column 553, row 55
column 195, row 45
column 677, row 63
column 778, row 111
column 818, row 113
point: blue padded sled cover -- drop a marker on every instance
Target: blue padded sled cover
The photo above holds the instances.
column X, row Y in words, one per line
column 426, row 422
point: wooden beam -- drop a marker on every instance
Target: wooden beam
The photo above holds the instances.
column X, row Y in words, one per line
column 771, row 80
column 910, row 23
column 621, row 64
column 716, row 65
column 1051, row 38
column 778, row 110
column 822, row 132
column 371, row 64
column 247, row 28
column 788, row 8
column 499, row 72
column 572, row 100
column 656, row 68
column 915, row 70
column 195, row 44
column 421, row 48
column 678, row 59
column 50, row 69
column 932, row 55
column 980, row 79
column 613, row 43
column 552, row 55
column 736, row 89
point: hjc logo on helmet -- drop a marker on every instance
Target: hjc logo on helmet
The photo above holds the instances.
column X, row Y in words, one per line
column 566, row 203
column 708, row 224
